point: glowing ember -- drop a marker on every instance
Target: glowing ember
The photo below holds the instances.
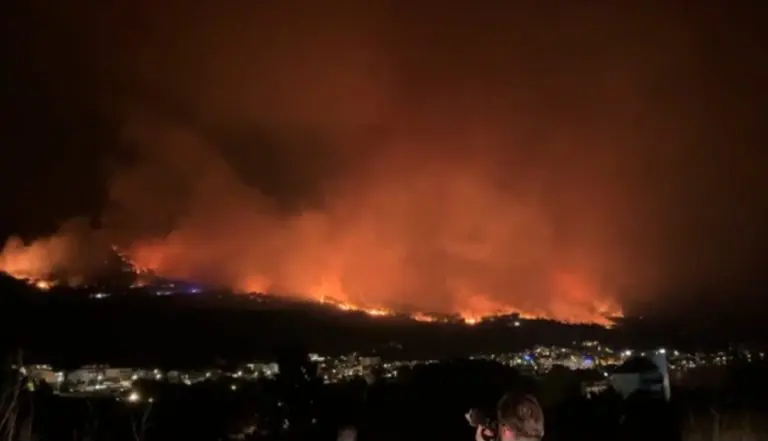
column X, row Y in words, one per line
column 344, row 306
column 43, row 285
column 420, row 317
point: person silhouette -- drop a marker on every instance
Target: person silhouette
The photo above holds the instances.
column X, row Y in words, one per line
column 520, row 418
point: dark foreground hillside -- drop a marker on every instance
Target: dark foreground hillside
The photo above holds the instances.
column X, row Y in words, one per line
column 427, row 402
column 69, row 327
column 66, row 327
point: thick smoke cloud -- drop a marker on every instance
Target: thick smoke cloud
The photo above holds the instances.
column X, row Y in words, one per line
column 440, row 159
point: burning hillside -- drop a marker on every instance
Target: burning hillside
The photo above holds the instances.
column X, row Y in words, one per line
column 28, row 262
column 397, row 159
column 400, row 231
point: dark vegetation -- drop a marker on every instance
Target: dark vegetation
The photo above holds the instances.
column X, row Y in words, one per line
column 425, row 402
column 66, row 327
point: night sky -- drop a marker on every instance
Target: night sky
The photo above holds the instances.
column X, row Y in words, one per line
column 405, row 154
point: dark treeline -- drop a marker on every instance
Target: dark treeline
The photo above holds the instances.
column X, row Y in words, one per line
column 67, row 328
column 424, row 402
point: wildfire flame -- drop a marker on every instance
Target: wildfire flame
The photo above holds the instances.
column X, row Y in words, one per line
column 575, row 304
column 43, row 285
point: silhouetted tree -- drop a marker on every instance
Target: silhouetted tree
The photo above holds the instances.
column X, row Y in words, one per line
column 298, row 389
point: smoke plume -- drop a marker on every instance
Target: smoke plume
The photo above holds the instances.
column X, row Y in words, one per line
column 554, row 161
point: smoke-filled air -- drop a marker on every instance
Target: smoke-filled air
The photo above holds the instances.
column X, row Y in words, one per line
column 396, row 157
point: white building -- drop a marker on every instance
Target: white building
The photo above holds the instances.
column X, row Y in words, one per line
column 44, row 374
column 649, row 373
